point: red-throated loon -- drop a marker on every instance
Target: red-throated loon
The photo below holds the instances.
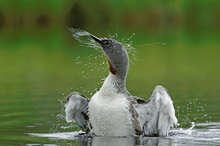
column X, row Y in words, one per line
column 113, row 111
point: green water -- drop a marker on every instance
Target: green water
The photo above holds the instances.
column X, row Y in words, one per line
column 36, row 75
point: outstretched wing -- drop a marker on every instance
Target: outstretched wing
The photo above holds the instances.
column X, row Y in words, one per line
column 76, row 110
column 157, row 115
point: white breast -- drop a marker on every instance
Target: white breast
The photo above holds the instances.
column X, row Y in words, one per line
column 109, row 114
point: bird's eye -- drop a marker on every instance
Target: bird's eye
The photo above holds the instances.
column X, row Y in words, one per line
column 68, row 98
column 107, row 43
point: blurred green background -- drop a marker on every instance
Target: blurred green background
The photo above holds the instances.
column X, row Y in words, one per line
column 174, row 39
column 177, row 45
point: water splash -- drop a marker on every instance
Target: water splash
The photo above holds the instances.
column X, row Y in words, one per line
column 84, row 38
column 128, row 44
column 59, row 117
column 97, row 62
column 206, row 135
column 198, row 132
column 186, row 113
column 94, row 63
column 154, row 44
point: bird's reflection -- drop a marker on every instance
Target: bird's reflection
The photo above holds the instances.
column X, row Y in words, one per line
column 124, row 141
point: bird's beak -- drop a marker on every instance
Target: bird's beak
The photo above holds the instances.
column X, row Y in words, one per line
column 98, row 40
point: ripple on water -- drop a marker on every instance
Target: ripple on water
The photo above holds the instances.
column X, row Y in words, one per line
column 198, row 134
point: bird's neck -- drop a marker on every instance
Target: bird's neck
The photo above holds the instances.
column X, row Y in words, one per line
column 115, row 83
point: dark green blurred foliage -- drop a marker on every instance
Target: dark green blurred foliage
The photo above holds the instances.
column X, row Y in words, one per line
column 43, row 21
column 2, row 20
column 152, row 17
column 76, row 17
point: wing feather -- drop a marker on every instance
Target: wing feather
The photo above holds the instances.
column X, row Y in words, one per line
column 76, row 110
column 157, row 115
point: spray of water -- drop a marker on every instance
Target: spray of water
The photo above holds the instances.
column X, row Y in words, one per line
column 97, row 63
column 191, row 113
column 127, row 43
column 183, row 112
column 94, row 63
column 85, row 40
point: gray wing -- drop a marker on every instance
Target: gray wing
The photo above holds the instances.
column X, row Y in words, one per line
column 76, row 110
column 157, row 114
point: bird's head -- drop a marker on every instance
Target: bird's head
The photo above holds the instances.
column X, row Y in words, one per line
column 116, row 53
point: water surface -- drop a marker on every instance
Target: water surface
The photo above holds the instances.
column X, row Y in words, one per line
column 32, row 114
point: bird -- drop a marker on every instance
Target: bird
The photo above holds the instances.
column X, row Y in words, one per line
column 113, row 111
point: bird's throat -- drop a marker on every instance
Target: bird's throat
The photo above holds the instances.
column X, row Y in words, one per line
column 111, row 68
